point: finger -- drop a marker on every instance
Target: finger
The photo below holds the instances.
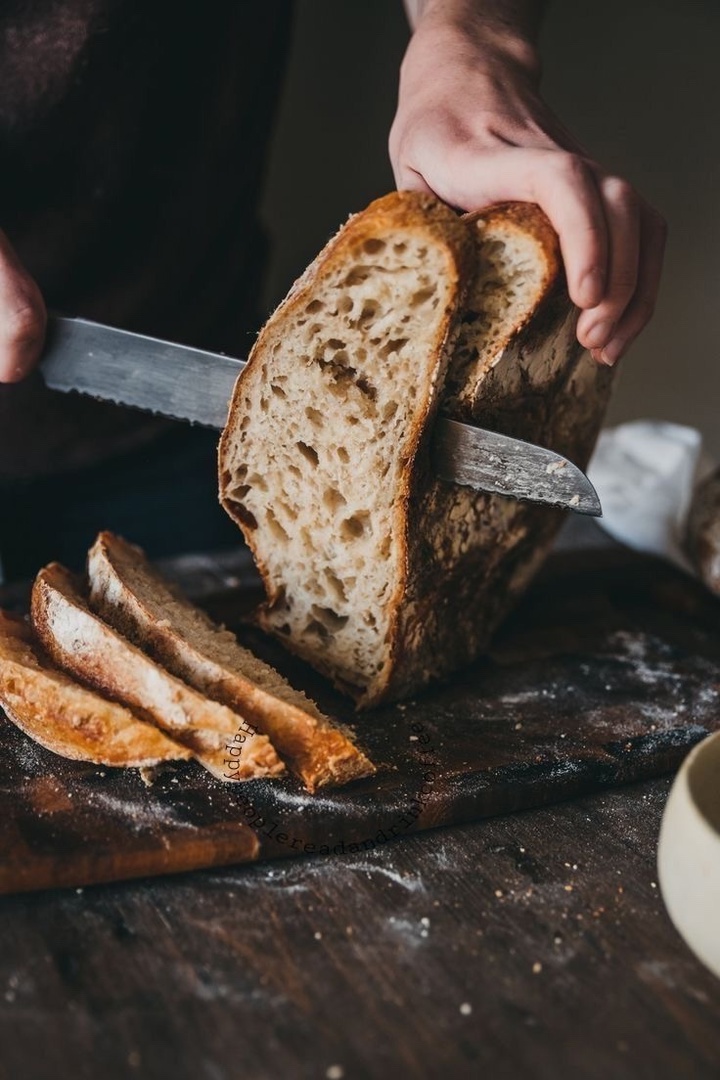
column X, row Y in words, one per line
column 22, row 317
column 563, row 184
column 622, row 213
column 409, row 180
column 653, row 234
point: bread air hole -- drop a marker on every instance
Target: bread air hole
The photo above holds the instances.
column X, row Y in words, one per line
column 257, row 481
column 423, row 296
column 354, row 527
column 335, row 585
column 288, row 509
column 314, row 416
column 314, row 307
column 308, row 452
column 366, row 388
column 374, row 246
column 329, row 618
column 392, row 346
column 243, row 515
column 369, row 311
column 277, row 390
column 333, row 499
column 275, row 527
column 357, row 276
column 343, row 455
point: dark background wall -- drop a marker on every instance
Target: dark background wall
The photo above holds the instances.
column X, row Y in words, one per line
column 636, row 80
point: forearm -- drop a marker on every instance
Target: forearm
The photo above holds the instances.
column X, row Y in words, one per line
column 506, row 29
column 525, row 15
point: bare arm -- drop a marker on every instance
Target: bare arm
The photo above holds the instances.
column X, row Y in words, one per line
column 523, row 16
column 472, row 126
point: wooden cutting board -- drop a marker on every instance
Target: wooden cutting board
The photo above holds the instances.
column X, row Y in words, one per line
column 607, row 673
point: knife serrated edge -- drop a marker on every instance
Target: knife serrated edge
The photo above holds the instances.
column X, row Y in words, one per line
column 139, row 371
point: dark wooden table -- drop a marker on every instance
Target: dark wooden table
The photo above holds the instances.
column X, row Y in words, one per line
column 529, row 946
column 534, row 945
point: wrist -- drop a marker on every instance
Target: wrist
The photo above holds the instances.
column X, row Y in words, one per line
column 488, row 36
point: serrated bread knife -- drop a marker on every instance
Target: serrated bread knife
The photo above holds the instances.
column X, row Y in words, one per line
column 182, row 383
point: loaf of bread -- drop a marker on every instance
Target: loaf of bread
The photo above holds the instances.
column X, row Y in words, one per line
column 130, row 595
column 702, row 535
column 83, row 645
column 376, row 572
column 67, row 718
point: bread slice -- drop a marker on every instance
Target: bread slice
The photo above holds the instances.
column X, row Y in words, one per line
column 130, row 594
column 316, row 461
column 379, row 574
column 82, row 644
column 67, row 718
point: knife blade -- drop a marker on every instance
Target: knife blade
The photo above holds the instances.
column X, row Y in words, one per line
column 183, row 383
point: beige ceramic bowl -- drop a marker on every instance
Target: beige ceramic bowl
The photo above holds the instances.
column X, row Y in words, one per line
column 689, row 852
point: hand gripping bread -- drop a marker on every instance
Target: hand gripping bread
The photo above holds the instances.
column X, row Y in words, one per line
column 67, row 718
column 132, row 596
column 377, row 573
column 82, row 644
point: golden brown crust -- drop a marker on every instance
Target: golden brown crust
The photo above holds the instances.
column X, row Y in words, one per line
column 320, row 753
column 80, row 643
column 528, row 218
column 67, row 718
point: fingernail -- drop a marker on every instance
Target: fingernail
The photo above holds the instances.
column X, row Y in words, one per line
column 592, row 286
column 599, row 335
column 612, row 351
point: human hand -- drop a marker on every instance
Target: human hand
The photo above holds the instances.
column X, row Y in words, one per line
column 472, row 127
column 22, row 317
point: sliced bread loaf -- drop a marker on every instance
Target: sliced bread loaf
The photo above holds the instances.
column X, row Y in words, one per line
column 377, row 573
column 82, row 644
column 130, row 594
column 316, row 461
column 67, row 718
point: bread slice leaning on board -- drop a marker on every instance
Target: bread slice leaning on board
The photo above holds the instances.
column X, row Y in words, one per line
column 68, row 718
column 134, row 598
column 378, row 573
column 86, row 647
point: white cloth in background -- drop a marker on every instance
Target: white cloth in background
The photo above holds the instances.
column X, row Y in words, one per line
column 645, row 472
